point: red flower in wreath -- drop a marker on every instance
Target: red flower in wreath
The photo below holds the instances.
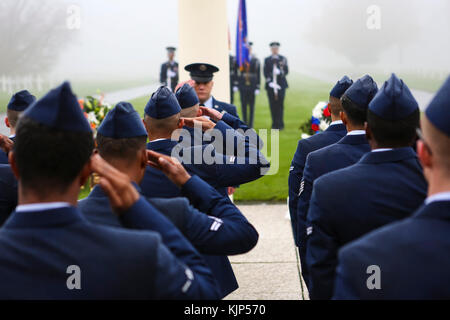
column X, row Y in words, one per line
column 315, row 127
column 326, row 111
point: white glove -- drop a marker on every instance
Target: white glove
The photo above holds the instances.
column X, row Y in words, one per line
column 235, row 89
column 171, row 73
column 277, row 71
column 273, row 86
column 256, row 92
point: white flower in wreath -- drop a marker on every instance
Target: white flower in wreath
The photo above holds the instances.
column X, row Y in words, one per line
column 323, row 125
column 92, row 118
column 305, row 136
column 317, row 112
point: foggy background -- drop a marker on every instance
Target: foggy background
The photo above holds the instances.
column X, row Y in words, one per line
column 118, row 40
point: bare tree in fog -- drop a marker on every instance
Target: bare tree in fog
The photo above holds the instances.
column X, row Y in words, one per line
column 32, row 35
column 343, row 28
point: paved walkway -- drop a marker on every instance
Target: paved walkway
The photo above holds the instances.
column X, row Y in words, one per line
column 271, row 270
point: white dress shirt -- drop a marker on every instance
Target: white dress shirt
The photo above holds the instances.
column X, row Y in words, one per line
column 42, row 206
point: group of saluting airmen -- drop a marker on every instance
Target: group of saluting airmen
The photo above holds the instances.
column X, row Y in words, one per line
column 369, row 197
column 154, row 227
column 247, row 81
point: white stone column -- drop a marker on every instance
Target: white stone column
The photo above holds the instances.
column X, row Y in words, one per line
column 203, row 37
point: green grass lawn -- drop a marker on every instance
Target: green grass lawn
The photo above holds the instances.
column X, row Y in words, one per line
column 301, row 97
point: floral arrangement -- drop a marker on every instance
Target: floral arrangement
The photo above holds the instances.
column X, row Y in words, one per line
column 319, row 121
column 95, row 110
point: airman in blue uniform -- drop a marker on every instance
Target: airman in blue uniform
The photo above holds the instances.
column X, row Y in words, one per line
column 162, row 118
column 386, row 185
column 344, row 153
column 202, row 74
column 48, row 250
column 16, row 106
column 409, row 258
column 333, row 134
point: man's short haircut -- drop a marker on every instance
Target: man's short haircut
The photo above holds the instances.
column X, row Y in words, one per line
column 394, row 134
column 163, row 126
column 190, row 112
column 13, row 117
column 335, row 106
column 49, row 159
column 120, row 149
column 355, row 114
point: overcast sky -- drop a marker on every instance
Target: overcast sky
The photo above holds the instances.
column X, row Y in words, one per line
column 126, row 38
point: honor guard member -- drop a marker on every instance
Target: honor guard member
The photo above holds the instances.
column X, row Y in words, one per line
column 220, row 229
column 16, row 106
column 48, row 250
column 411, row 256
column 249, row 82
column 202, row 74
column 162, row 120
column 275, row 72
column 345, row 152
column 332, row 134
column 169, row 70
column 234, row 82
column 386, row 185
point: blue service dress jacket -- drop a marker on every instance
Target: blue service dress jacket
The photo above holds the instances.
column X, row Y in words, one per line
column 223, row 106
column 198, row 137
column 331, row 135
column 381, row 188
column 411, row 256
column 41, row 250
column 209, row 221
column 8, row 192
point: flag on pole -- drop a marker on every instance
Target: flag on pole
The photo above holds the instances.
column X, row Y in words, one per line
column 242, row 56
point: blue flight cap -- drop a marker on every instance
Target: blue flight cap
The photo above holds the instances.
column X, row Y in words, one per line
column 394, row 101
column 186, row 96
column 21, row 100
column 362, row 91
column 59, row 109
column 162, row 104
column 122, row 122
column 201, row 72
column 438, row 109
column 341, row 86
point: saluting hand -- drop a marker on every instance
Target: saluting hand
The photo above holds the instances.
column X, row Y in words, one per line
column 6, row 144
column 212, row 113
column 117, row 185
column 205, row 124
column 171, row 167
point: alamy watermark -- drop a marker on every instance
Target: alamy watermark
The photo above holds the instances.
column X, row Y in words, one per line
column 373, row 282
column 232, row 147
